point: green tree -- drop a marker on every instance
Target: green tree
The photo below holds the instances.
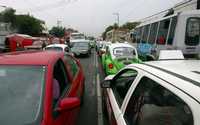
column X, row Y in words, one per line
column 8, row 16
column 109, row 28
column 130, row 25
column 24, row 24
column 30, row 25
column 57, row 31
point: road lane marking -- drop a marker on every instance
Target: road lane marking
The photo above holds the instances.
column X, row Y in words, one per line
column 99, row 98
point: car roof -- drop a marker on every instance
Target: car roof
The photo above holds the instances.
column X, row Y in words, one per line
column 30, row 57
column 187, row 68
column 57, row 45
column 182, row 74
column 115, row 45
column 79, row 40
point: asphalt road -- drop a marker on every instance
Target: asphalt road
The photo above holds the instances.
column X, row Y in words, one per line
column 88, row 113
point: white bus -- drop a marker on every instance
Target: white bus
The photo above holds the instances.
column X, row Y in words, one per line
column 179, row 31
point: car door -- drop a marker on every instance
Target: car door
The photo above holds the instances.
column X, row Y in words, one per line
column 61, row 89
column 76, row 76
column 151, row 102
column 115, row 95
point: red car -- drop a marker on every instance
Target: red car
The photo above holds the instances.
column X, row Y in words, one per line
column 40, row 88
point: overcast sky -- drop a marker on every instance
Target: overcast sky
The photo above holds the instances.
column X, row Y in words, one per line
column 88, row 16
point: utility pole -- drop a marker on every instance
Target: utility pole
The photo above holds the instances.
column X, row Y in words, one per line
column 117, row 14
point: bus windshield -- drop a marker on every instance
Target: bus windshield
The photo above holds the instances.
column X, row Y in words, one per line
column 192, row 32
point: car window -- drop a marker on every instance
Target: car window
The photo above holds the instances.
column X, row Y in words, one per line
column 60, row 82
column 123, row 51
column 73, row 67
column 121, row 84
column 54, row 48
column 152, row 103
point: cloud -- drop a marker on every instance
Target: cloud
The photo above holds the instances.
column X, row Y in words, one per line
column 89, row 16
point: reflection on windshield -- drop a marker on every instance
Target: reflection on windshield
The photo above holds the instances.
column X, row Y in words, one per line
column 20, row 95
column 80, row 44
column 54, row 48
column 124, row 51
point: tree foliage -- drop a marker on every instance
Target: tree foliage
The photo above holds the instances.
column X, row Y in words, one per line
column 24, row 24
column 8, row 16
column 57, row 31
column 109, row 28
column 27, row 24
column 130, row 25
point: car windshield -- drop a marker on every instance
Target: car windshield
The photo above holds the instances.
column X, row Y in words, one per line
column 54, row 48
column 123, row 51
column 21, row 89
column 80, row 44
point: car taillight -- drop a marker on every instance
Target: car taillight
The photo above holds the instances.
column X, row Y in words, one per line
column 110, row 66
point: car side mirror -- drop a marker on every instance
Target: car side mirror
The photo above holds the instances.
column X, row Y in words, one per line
column 68, row 104
column 107, row 81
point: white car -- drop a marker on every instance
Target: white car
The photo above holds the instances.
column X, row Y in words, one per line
column 165, row 92
column 59, row 47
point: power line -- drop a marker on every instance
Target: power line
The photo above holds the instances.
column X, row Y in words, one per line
column 135, row 8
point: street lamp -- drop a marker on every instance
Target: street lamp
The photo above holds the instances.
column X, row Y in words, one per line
column 117, row 14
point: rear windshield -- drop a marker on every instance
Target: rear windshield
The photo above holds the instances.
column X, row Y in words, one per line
column 21, row 94
column 80, row 44
column 192, row 31
column 54, row 48
column 123, row 51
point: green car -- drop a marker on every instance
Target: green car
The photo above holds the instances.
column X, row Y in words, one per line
column 117, row 56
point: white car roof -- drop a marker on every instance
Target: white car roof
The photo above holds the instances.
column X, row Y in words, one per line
column 57, row 45
column 115, row 45
column 183, row 74
column 79, row 40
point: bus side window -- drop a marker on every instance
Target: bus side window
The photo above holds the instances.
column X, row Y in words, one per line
column 153, row 32
column 163, row 30
column 139, row 33
column 172, row 31
column 145, row 33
